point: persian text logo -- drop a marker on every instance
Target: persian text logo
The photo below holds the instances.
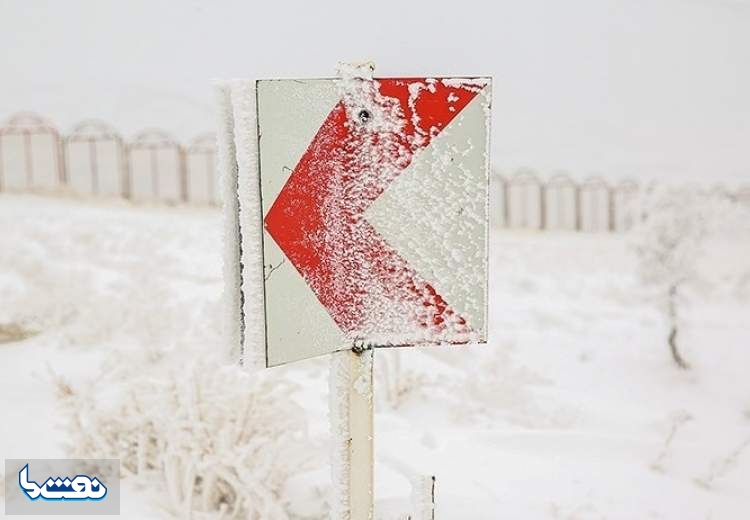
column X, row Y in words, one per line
column 82, row 487
column 41, row 487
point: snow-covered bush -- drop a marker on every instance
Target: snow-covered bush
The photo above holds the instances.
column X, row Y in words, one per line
column 678, row 244
column 221, row 442
column 668, row 239
column 667, row 242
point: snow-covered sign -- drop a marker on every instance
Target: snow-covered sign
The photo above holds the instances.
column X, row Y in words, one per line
column 374, row 212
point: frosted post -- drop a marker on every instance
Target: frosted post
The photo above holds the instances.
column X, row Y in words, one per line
column 423, row 497
column 351, row 409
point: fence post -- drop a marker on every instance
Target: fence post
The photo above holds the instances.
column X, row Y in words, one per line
column 125, row 177
column 182, row 172
column 94, row 166
column 202, row 148
column 542, row 206
column 28, row 159
column 60, row 161
column 154, row 171
column 506, row 203
column 625, row 189
column 211, row 180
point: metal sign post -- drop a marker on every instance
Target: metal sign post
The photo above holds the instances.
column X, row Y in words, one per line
column 352, row 433
column 358, row 207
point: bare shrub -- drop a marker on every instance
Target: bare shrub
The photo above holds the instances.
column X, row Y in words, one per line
column 222, row 442
column 668, row 243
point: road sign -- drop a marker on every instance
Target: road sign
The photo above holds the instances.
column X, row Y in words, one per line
column 374, row 209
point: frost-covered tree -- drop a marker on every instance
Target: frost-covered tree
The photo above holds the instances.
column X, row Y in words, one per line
column 668, row 243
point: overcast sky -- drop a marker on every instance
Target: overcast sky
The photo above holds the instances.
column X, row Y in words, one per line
column 646, row 88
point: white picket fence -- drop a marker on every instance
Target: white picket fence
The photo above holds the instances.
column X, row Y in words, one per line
column 524, row 200
column 95, row 159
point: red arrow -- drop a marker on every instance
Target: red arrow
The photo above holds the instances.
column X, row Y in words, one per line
column 367, row 140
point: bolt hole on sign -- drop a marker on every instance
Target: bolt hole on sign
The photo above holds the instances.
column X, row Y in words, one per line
column 360, row 211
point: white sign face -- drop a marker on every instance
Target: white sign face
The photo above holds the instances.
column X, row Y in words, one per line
column 374, row 206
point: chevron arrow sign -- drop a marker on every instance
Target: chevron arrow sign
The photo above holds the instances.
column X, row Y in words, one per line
column 374, row 212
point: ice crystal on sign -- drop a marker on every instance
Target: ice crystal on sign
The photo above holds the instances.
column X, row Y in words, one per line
column 365, row 284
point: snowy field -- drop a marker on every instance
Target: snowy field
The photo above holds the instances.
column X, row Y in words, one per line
column 574, row 410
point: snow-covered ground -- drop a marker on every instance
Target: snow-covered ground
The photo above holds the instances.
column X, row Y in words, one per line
column 567, row 413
